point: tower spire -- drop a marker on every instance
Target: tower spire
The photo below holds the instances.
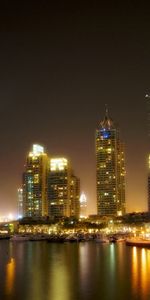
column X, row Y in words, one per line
column 107, row 121
column 106, row 110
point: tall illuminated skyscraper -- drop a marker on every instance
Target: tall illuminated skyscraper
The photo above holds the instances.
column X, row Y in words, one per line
column 149, row 183
column 147, row 96
column 63, row 189
column 35, row 183
column 110, row 169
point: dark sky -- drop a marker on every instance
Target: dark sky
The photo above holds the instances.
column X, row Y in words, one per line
column 59, row 65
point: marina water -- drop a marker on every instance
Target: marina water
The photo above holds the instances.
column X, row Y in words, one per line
column 73, row 271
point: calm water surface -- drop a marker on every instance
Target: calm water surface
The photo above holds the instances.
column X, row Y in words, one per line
column 42, row 271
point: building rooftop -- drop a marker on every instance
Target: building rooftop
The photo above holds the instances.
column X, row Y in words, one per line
column 107, row 122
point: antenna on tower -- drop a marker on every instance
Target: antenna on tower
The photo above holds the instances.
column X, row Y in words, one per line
column 147, row 96
column 106, row 110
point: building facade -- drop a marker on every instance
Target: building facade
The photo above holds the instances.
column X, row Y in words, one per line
column 110, row 169
column 74, row 196
column 149, row 183
column 147, row 96
column 35, row 183
column 83, row 206
column 20, row 203
column 63, row 189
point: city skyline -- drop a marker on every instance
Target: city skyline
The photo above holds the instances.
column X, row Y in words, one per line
column 88, row 209
column 74, row 150
column 59, row 66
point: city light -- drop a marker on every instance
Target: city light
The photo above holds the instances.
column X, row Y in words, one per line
column 7, row 218
column 36, row 150
column 58, row 164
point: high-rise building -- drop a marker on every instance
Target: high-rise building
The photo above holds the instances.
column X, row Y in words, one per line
column 147, row 96
column 110, row 169
column 83, row 206
column 63, row 189
column 149, row 183
column 74, row 196
column 20, row 203
column 35, row 183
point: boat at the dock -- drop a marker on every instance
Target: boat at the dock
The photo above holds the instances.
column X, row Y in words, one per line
column 19, row 238
column 38, row 237
column 4, row 236
column 138, row 242
column 116, row 238
column 100, row 238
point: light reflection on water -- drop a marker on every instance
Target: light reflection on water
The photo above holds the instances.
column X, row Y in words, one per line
column 84, row 266
column 10, row 275
column 144, row 271
column 134, row 270
column 112, row 258
column 141, row 272
column 59, row 276
column 42, row 271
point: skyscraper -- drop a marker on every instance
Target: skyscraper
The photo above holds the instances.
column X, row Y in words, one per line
column 63, row 189
column 110, row 169
column 74, row 195
column 20, row 202
column 149, row 183
column 34, row 183
column 83, row 206
column 147, row 96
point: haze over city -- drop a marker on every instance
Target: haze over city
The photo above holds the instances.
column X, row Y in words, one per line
column 59, row 67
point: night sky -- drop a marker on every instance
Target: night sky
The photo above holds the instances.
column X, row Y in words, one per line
column 59, row 65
